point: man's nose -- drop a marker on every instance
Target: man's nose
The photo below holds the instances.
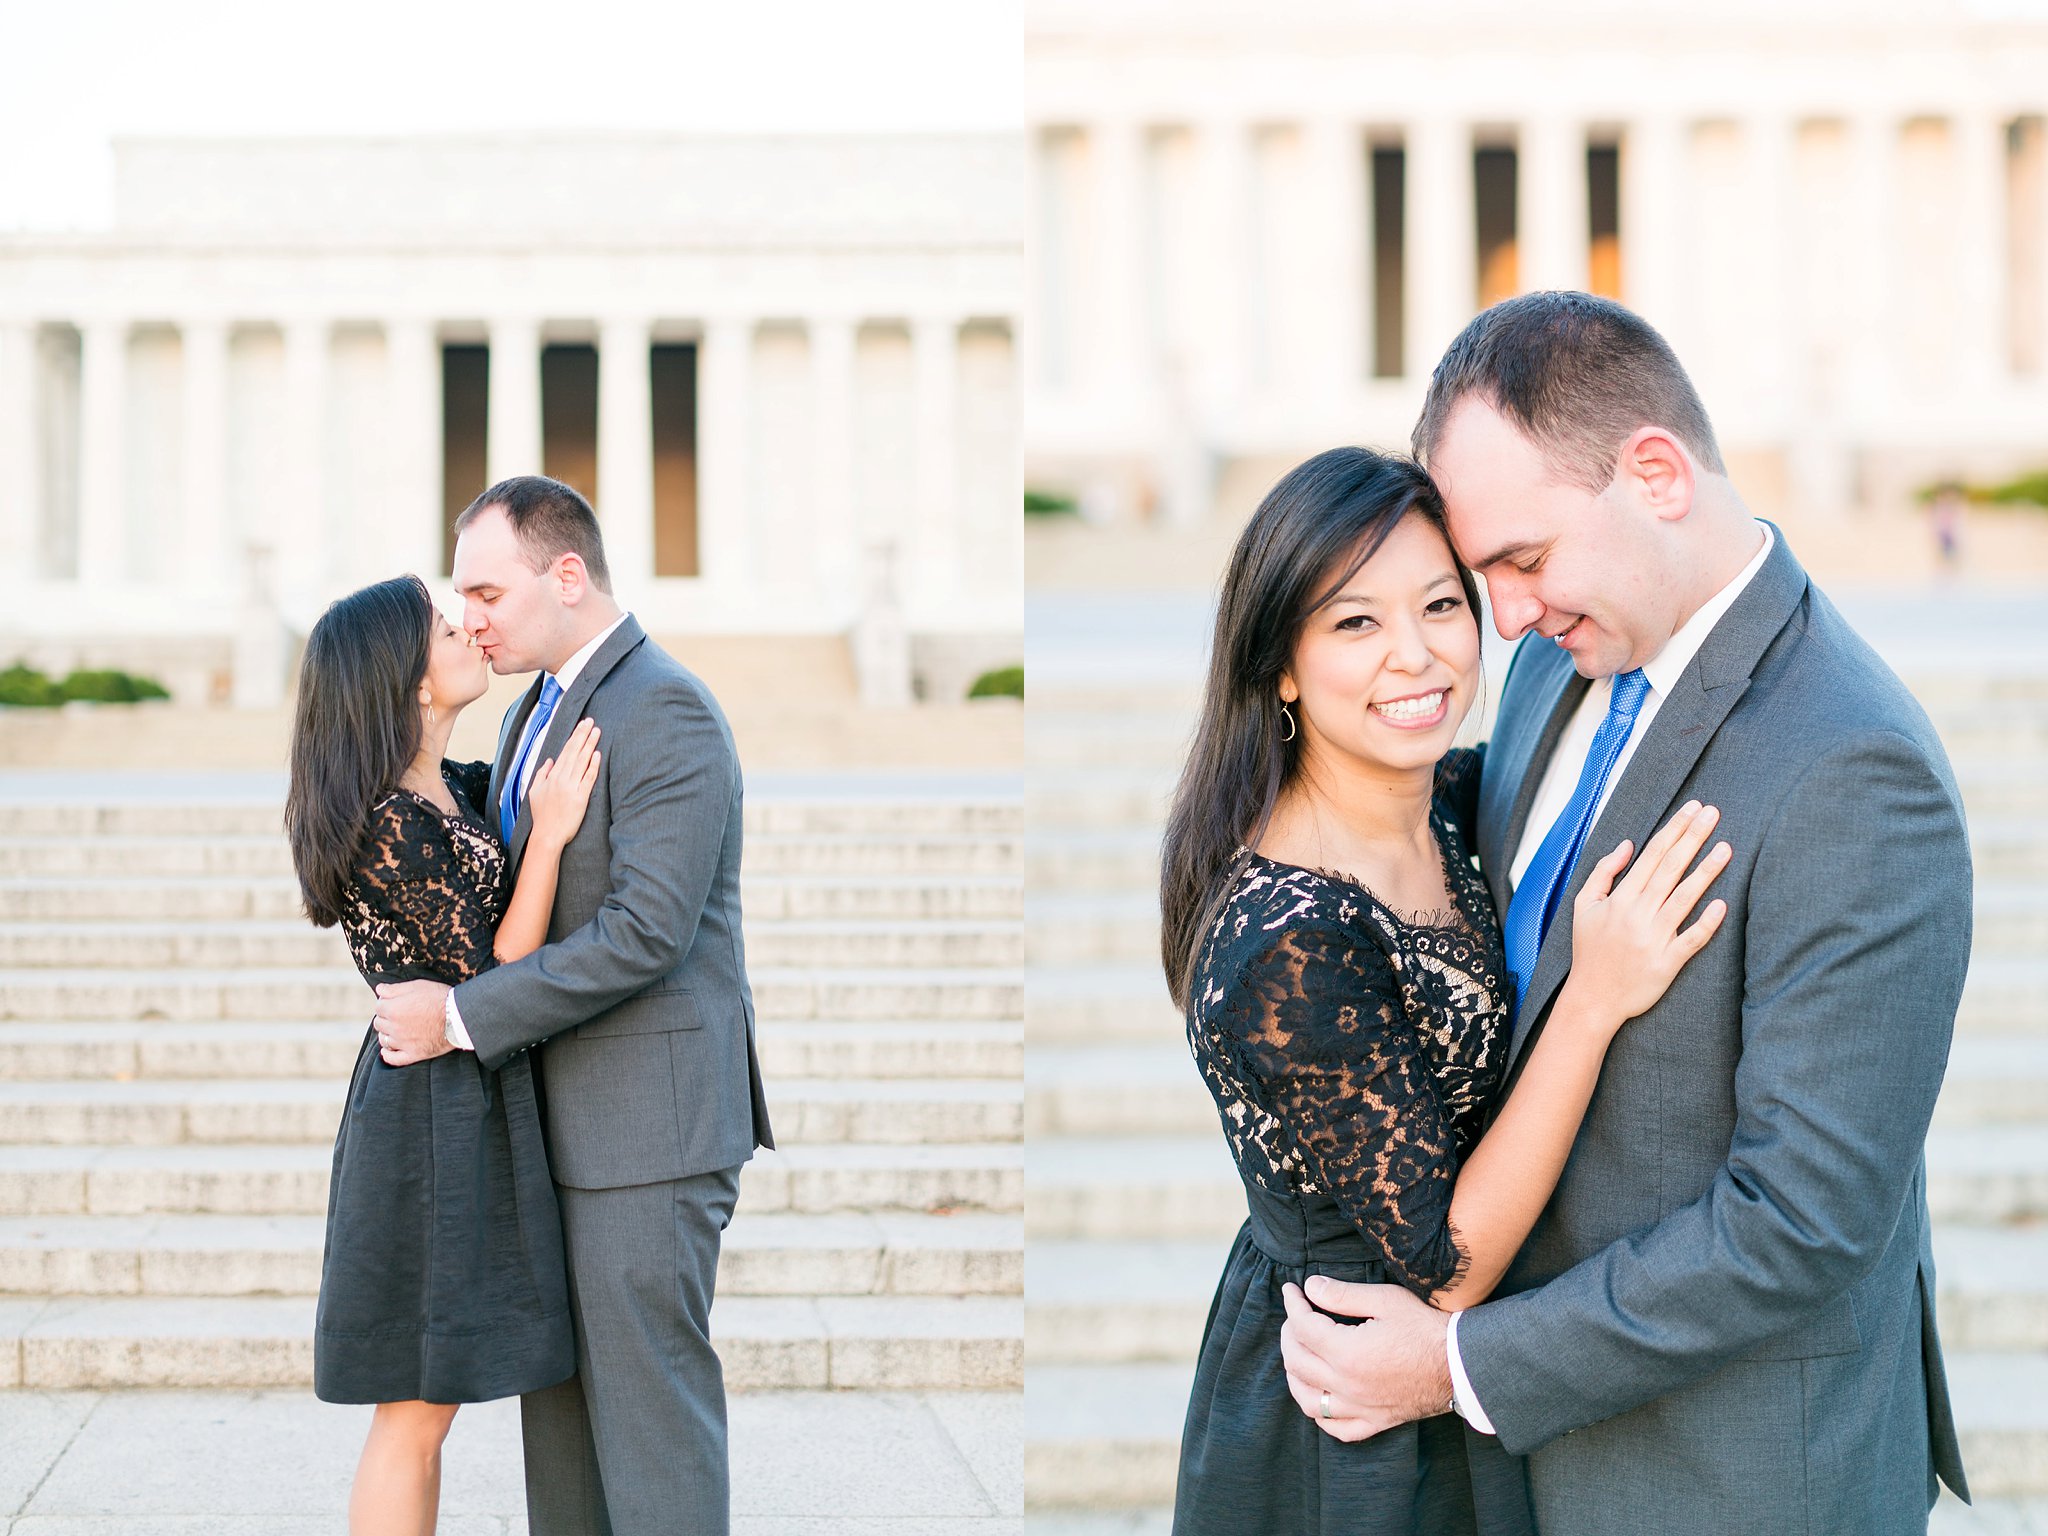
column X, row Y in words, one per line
column 1515, row 612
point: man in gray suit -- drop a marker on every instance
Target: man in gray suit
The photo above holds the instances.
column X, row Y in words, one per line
column 1723, row 1322
column 640, row 1008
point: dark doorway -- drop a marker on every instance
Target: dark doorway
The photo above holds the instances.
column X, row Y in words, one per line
column 1493, row 180
column 675, row 460
column 465, row 439
column 1603, row 218
column 1389, row 278
column 568, row 417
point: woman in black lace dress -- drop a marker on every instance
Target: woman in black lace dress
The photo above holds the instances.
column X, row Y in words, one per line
column 1339, row 962
column 443, row 1279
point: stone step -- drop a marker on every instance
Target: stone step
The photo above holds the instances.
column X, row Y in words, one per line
column 1154, row 1089
column 1108, row 1303
column 1127, row 1002
column 272, row 1179
column 765, row 899
column 267, row 856
column 153, row 1112
column 1108, row 1436
column 795, row 943
column 190, row 995
column 787, row 1049
column 763, row 819
column 1184, row 1187
column 765, row 1343
column 850, row 1254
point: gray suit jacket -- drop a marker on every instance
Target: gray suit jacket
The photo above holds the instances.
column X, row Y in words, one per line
column 640, row 993
column 1724, row 1319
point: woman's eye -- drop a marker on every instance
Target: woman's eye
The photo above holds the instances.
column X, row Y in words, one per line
column 1447, row 605
column 1355, row 623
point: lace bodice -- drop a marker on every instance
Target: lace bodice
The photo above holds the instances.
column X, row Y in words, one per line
column 429, row 888
column 1354, row 1052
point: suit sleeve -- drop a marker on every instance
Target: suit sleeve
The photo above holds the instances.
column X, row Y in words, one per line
column 670, row 786
column 1856, row 939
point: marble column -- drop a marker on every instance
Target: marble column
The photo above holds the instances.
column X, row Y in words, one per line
column 835, row 540
column 20, row 485
column 1118, row 343
column 1871, row 361
column 1552, row 224
column 1653, row 179
column 1983, row 350
column 1778, row 345
column 210, row 558
column 1223, row 155
column 625, row 452
column 300, row 533
column 725, row 373
column 1333, row 152
column 102, row 453
column 1441, row 261
column 414, row 494
column 935, row 361
column 512, row 438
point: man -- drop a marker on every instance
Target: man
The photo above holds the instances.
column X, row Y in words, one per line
column 652, row 1091
column 1724, row 1320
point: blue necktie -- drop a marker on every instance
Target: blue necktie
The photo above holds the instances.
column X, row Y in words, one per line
column 509, row 797
column 1535, row 898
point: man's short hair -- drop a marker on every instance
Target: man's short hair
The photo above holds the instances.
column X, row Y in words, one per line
column 1577, row 374
column 550, row 520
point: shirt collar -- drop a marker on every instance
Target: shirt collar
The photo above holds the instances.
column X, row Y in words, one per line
column 1664, row 669
column 566, row 678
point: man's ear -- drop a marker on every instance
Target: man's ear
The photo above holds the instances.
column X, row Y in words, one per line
column 571, row 579
column 1658, row 471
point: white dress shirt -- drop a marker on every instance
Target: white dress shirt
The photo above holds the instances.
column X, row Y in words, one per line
column 451, row 1026
column 1554, row 791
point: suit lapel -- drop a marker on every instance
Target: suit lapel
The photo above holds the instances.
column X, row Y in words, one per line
column 1543, row 692
column 1686, row 723
column 509, row 732
column 570, row 709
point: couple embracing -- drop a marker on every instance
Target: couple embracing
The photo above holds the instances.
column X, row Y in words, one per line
column 543, row 1135
column 1579, row 1083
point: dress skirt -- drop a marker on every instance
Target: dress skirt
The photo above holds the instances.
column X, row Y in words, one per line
column 1252, row 1461
column 444, row 1277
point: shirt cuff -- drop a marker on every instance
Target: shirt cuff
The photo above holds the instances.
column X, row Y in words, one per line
column 453, row 1032
column 1463, row 1398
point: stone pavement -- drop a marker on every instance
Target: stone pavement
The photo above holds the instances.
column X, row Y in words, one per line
column 175, row 1039
column 1132, row 1198
column 278, row 1463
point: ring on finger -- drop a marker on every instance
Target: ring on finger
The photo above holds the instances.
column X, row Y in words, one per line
column 1323, row 1405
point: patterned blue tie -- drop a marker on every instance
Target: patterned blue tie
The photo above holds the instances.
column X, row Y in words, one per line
column 536, row 726
column 1535, row 899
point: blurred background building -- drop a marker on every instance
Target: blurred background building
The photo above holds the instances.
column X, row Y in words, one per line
column 1255, row 228
column 782, row 369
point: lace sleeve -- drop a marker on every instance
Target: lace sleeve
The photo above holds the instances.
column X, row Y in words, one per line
column 410, row 872
column 1323, row 1046
column 474, row 780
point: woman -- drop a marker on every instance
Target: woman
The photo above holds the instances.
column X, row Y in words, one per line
column 1339, row 962
column 443, row 1280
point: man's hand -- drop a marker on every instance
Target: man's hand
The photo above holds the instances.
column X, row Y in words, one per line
column 412, row 1021
column 1356, row 1379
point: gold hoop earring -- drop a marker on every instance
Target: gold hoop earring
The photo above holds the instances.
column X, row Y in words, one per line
column 1288, row 715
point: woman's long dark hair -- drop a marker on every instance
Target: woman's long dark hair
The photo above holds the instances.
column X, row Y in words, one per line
column 355, row 730
column 1321, row 522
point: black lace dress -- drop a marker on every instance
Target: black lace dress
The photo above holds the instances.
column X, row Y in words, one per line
column 1354, row 1054
column 443, row 1277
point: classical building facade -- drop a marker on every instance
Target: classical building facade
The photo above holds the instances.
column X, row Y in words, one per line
column 1258, row 226
column 783, row 369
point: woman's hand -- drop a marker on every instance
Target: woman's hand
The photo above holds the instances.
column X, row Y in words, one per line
column 1627, row 945
column 560, row 791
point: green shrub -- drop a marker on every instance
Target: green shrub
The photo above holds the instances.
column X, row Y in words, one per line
column 1049, row 504
column 24, row 686
column 1001, row 683
column 2030, row 489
